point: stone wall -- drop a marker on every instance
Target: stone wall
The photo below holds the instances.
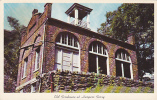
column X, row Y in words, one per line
column 80, row 81
column 75, row 81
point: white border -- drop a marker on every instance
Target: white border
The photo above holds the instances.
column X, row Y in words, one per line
column 50, row 96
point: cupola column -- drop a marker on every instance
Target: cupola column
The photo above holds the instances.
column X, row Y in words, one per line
column 68, row 18
column 88, row 22
column 76, row 16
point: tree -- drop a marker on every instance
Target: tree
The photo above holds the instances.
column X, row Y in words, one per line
column 138, row 19
column 11, row 54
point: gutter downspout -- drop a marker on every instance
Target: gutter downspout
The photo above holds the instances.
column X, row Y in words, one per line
column 42, row 56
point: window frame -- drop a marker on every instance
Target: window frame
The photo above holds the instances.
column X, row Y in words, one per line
column 37, row 59
column 124, row 57
column 94, row 48
column 72, row 47
column 64, row 38
column 25, row 67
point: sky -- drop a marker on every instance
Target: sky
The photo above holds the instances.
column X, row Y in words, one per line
column 23, row 12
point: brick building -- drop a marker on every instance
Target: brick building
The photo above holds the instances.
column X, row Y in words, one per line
column 50, row 44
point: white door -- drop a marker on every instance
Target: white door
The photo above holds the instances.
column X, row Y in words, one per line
column 76, row 61
column 58, row 60
column 67, row 60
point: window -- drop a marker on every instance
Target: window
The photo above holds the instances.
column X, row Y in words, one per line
column 98, row 58
column 67, row 53
column 98, row 48
column 37, row 57
column 33, row 88
column 25, row 67
column 123, row 64
column 67, row 39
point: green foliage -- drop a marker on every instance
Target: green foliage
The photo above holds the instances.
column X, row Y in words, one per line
column 14, row 23
column 118, row 89
column 112, row 80
column 88, row 89
column 108, row 90
column 137, row 19
column 127, row 89
column 97, row 89
column 47, row 91
column 11, row 53
column 60, row 91
column 146, row 89
column 138, row 90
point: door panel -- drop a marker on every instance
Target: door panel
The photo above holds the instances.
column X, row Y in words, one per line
column 67, row 60
column 76, row 62
column 58, row 60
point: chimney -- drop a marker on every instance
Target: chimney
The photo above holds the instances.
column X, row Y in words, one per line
column 47, row 10
column 34, row 11
column 131, row 39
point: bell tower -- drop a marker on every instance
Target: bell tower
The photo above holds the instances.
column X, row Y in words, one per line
column 78, row 12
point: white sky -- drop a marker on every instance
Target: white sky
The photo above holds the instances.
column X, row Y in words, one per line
column 23, row 12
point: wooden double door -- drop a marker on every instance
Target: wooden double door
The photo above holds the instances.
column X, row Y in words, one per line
column 67, row 60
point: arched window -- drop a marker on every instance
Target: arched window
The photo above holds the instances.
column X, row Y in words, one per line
column 123, row 64
column 67, row 53
column 98, row 58
column 67, row 39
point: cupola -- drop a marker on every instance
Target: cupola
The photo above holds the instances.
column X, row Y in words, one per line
column 78, row 12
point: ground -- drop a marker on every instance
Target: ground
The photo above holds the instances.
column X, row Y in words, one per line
column 111, row 89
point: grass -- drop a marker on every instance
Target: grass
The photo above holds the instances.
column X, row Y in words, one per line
column 118, row 89
column 108, row 90
column 97, row 89
column 138, row 89
column 127, row 90
column 88, row 90
column 146, row 89
column 111, row 89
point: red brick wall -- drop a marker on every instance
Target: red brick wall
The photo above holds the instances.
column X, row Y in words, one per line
column 52, row 32
column 30, row 41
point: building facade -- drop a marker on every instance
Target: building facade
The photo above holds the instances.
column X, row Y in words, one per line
column 50, row 44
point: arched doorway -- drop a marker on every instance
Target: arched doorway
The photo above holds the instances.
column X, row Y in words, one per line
column 67, row 53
